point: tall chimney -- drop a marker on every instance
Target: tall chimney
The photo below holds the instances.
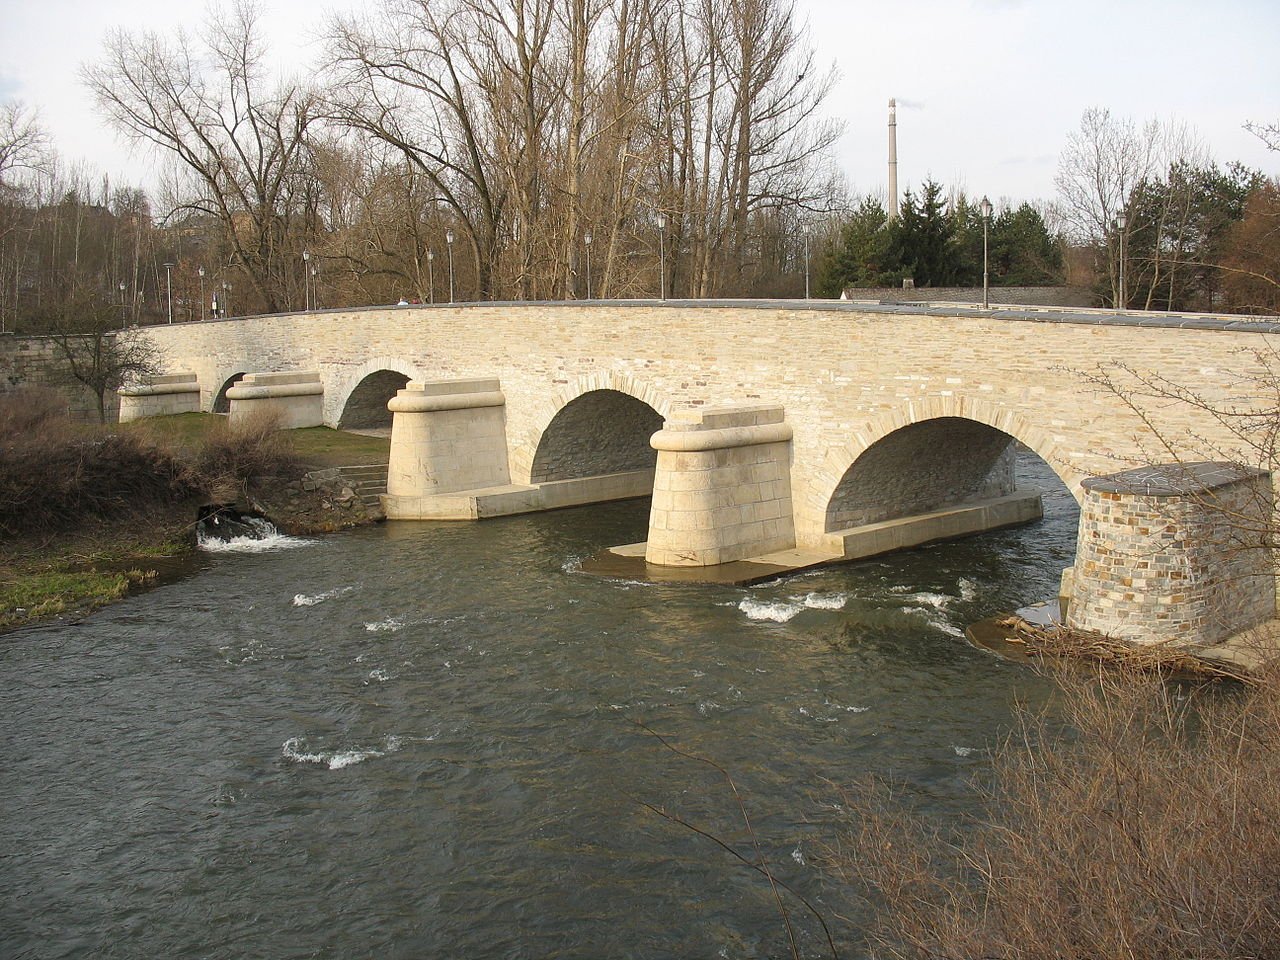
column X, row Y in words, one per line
column 893, row 160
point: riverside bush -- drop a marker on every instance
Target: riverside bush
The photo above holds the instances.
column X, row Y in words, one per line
column 235, row 457
column 1150, row 831
column 56, row 476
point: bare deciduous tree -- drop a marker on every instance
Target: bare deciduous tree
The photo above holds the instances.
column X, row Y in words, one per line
column 242, row 141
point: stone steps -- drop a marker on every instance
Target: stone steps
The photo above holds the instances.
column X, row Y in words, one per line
column 369, row 481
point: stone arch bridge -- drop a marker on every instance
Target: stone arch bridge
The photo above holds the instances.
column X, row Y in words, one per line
column 760, row 427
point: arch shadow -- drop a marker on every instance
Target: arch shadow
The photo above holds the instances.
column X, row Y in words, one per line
column 221, row 404
column 930, row 453
column 599, row 425
column 360, row 390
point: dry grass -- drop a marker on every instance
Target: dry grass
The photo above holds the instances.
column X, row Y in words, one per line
column 234, row 457
column 1149, row 831
column 54, row 475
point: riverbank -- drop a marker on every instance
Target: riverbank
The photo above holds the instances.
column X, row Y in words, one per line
column 86, row 524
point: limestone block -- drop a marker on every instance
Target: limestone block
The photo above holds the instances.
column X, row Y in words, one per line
column 1174, row 552
column 722, row 491
column 159, row 395
column 296, row 398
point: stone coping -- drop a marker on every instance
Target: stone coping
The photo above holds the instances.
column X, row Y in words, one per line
column 1173, row 479
column 1088, row 316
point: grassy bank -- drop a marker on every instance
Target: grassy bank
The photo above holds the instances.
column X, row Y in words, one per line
column 314, row 447
column 88, row 514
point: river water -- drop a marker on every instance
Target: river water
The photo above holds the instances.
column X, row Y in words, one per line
column 438, row 740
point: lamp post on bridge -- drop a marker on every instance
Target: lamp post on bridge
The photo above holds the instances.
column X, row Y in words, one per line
column 431, row 275
column 203, row 315
column 662, row 256
column 985, row 210
column 806, row 261
column 306, row 280
column 448, row 240
column 1123, row 300
column 124, row 311
column 586, row 239
column 168, row 279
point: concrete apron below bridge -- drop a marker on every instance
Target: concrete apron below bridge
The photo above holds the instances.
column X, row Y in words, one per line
column 859, row 543
column 722, row 509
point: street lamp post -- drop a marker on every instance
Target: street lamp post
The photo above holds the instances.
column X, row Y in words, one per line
column 315, row 287
column 431, row 275
column 806, row 263
column 306, row 279
column 168, row 278
column 226, row 298
column 1124, row 298
column 124, row 312
column 586, row 239
column 202, row 303
column 985, row 209
column 662, row 256
column 448, row 239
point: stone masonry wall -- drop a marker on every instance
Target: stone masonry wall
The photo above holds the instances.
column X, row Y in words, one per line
column 1183, row 564
column 35, row 362
column 846, row 375
column 601, row 432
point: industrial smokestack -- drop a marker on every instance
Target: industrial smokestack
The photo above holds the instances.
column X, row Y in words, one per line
column 893, row 160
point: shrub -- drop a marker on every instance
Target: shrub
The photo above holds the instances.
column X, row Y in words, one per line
column 237, row 456
column 53, row 476
column 1150, row 833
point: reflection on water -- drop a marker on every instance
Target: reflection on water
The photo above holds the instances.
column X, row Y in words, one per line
column 425, row 740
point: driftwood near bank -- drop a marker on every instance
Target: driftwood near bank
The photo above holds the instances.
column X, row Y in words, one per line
column 1162, row 658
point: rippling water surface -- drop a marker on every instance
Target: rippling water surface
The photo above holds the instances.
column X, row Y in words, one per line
column 424, row 740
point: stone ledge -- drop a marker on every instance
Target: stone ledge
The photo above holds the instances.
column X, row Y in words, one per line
column 964, row 520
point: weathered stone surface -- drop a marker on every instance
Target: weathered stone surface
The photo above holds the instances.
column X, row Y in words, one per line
column 296, row 398
column 722, row 491
column 1176, row 553
column 160, row 395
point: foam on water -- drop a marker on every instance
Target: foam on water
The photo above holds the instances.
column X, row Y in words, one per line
column 267, row 539
column 937, row 600
column 295, row 749
column 303, row 600
column 779, row 611
column 825, row 601
column 389, row 625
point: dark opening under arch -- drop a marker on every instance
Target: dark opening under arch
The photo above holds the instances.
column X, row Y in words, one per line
column 600, row 432
column 926, row 466
column 366, row 408
column 220, row 403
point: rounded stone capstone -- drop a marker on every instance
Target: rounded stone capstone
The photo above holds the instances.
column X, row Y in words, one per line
column 692, row 440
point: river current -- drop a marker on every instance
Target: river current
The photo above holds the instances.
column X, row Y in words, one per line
column 439, row 740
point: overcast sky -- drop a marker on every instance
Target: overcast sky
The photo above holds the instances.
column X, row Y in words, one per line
column 987, row 90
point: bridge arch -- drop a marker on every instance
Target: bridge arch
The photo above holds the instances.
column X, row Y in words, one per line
column 360, row 397
column 599, row 424
column 221, row 404
column 908, row 441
